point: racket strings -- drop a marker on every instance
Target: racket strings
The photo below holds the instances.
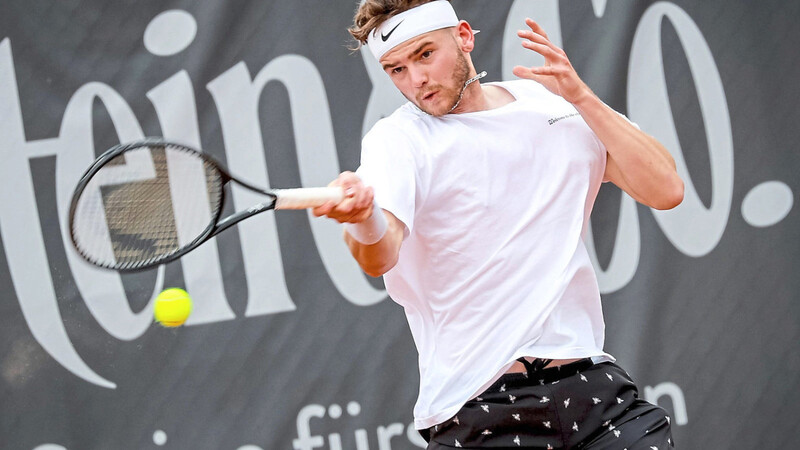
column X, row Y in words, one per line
column 146, row 204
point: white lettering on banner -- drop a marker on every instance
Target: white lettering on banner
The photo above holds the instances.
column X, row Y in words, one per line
column 384, row 97
column 599, row 7
column 175, row 106
column 414, row 437
column 317, row 158
column 21, row 230
column 627, row 248
column 176, row 109
column 691, row 227
column 307, row 441
column 547, row 15
column 102, row 290
column 385, row 434
column 652, row 394
column 237, row 102
column 170, row 32
column 304, row 439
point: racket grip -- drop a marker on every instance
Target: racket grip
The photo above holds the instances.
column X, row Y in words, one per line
column 303, row 198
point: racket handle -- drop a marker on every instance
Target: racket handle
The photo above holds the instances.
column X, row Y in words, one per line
column 303, row 198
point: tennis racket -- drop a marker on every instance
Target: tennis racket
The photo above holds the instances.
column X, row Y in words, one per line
column 150, row 202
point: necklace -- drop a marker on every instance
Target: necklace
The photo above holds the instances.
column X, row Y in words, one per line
column 468, row 82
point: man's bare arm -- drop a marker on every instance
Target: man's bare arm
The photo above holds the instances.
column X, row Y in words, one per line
column 637, row 163
column 376, row 259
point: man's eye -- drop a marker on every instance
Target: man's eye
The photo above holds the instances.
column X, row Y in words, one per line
column 397, row 70
column 427, row 53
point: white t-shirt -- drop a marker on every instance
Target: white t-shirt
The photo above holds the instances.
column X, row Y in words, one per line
column 493, row 266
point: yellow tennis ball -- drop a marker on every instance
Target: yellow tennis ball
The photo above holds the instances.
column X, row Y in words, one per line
column 172, row 307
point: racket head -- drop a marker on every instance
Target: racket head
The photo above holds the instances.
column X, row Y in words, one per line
column 146, row 203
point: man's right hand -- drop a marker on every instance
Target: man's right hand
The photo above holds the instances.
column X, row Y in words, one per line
column 355, row 207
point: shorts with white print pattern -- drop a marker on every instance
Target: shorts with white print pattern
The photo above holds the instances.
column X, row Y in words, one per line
column 580, row 405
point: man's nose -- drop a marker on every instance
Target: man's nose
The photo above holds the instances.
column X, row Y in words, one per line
column 418, row 77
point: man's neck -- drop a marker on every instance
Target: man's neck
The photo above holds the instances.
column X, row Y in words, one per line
column 479, row 97
column 472, row 99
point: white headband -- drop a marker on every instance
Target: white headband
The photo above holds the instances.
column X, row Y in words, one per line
column 410, row 24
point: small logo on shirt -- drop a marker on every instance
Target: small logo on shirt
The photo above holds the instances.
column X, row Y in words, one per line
column 556, row 119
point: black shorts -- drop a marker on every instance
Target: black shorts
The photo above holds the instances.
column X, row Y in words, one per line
column 575, row 406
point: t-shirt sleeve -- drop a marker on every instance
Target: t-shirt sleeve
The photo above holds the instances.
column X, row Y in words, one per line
column 388, row 165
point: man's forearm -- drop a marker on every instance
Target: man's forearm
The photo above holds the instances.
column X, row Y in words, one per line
column 640, row 164
column 378, row 258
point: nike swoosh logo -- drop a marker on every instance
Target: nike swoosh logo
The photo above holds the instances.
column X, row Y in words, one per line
column 386, row 36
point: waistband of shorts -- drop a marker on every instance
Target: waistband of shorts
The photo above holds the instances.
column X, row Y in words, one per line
column 549, row 374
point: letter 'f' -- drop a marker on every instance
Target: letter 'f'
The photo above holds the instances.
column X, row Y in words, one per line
column 304, row 439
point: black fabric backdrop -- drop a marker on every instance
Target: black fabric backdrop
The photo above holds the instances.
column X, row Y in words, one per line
column 701, row 304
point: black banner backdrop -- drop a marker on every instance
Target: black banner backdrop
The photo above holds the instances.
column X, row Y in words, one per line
column 290, row 346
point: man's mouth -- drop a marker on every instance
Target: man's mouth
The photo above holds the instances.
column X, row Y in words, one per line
column 429, row 96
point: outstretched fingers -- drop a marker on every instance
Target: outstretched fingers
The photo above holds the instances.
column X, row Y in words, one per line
column 538, row 35
column 547, row 51
column 535, row 27
column 524, row 72
column 555, row 58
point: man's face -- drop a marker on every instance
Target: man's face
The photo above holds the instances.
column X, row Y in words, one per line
column 429, row 70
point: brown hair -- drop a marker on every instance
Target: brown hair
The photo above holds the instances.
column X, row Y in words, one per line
column 373, row 13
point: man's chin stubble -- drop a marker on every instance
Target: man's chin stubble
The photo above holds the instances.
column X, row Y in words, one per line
column 440, row 111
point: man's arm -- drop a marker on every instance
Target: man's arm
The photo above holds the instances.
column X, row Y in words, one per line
column 376, row 259
column 637, row 163
column 357, row 208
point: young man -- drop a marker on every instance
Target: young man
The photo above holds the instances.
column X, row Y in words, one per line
column 484, row 193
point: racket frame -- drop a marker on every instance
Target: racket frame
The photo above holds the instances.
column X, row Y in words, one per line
column 214, row 227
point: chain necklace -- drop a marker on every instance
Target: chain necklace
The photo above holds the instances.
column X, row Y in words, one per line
column 461, row 94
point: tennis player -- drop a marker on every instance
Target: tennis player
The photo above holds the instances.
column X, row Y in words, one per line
column 484, row 194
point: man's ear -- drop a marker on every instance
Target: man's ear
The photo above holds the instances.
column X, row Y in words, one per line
column 465, row 36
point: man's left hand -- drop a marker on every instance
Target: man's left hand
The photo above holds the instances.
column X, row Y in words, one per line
column 557, row 74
